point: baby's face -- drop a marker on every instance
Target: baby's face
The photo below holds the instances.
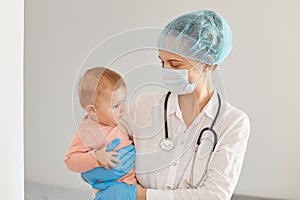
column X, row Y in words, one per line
column 110, row 109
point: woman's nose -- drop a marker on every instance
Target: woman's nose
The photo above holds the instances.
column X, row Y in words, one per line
column 166, row 65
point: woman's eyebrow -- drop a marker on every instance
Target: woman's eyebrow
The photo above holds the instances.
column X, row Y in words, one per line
column 171, row 60
column 174, row 60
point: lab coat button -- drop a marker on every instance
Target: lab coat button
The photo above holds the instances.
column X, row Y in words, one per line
column 174, row 164
column 168, row 187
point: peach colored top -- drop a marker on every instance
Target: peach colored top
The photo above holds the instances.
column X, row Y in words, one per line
column 90, row 136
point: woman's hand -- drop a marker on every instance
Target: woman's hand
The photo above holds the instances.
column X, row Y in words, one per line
column 141, row 192
column 126, row 156
column 116, row 191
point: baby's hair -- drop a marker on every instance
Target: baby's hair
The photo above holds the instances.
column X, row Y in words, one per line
column 94, row 82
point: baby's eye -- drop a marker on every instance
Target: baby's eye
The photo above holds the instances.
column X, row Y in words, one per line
column 116, row 106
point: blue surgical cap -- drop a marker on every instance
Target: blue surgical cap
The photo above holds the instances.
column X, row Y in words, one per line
column 202, row 35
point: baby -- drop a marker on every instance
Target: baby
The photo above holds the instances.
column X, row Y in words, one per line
column 102, row 93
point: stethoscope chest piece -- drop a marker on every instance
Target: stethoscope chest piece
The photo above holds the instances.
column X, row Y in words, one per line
column 166, row 144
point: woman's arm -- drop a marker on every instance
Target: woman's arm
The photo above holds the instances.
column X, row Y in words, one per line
column 141, row 193
column 223, row 171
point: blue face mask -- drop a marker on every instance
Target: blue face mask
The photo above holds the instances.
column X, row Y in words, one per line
column 177, row 81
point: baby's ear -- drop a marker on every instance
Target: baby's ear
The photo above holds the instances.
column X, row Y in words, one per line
column 90, row 109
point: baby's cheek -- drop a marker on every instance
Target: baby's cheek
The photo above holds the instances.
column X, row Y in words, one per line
column 116, row 113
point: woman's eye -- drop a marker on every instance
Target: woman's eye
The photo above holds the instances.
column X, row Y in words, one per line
column 174, row 66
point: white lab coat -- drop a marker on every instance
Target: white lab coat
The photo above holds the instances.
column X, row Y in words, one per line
column 164, row 174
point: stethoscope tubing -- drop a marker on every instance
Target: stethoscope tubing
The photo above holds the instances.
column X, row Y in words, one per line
column 203, row 130
column 199, row 138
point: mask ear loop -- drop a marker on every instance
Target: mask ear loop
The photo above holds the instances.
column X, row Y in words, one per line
column 201, row 75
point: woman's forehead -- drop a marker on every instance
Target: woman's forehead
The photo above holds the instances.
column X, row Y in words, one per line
column 165, row 55
column 169, row 55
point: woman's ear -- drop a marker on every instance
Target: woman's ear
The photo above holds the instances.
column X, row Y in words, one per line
column 210, row 67
column 90, row 109
column 215, row 66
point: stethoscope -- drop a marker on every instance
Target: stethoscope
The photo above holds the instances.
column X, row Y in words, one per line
column 167, row 144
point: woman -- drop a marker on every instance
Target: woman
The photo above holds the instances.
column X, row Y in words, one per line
column 190, row 48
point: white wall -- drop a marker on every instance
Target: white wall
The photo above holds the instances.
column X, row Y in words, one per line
column 11, row 87
column 260, row 77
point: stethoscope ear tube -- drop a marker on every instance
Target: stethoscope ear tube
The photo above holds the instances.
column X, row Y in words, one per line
column 214, row 133
column 165, row 115
column 211, row 128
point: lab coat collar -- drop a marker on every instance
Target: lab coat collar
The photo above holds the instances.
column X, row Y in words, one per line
column 210, row 109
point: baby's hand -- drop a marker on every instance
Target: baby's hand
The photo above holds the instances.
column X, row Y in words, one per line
column 106, row 159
